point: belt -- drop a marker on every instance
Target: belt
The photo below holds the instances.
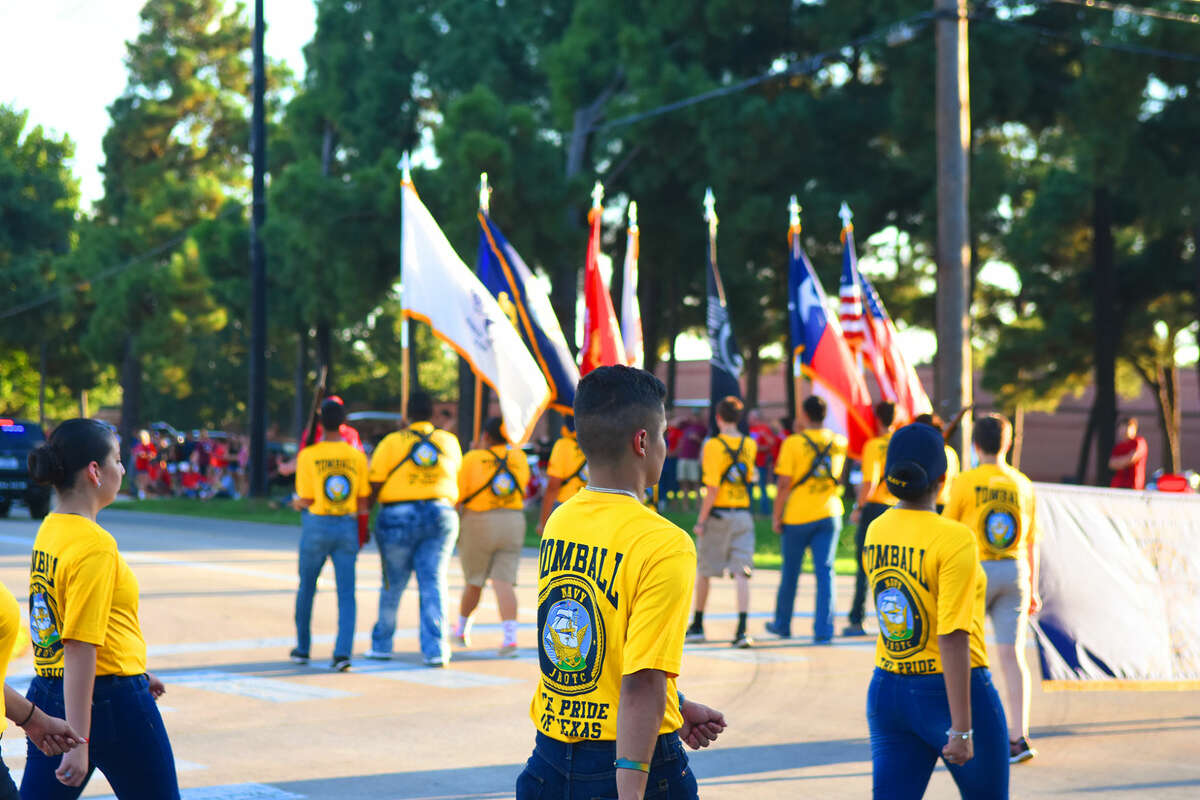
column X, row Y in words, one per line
column 414, row 502
column 556, row 748
column 731, row 508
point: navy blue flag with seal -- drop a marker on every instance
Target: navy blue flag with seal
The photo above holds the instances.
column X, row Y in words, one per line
column 523, row 299
column 725, row 368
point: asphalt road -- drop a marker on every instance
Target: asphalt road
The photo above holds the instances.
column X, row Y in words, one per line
column 217, row 603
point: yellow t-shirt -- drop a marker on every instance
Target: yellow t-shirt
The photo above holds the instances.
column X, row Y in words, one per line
column 952, row 468
column 333, row 475
column 494, row 486
column 996, row 502
column 425, row 461
column 614, row 590
column 80, row 588
column 732, row 476
column 874, row 461
column 819, row 496
column 10, row 625
column 569, row 465
column 925, row 582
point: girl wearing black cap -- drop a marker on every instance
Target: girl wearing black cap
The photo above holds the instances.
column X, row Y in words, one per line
column 89, row 654
column 931, row 693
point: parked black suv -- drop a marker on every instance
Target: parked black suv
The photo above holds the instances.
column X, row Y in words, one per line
column 17, row 438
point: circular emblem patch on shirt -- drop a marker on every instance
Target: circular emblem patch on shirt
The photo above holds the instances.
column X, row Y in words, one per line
column 425, row 455
column 503, row 485
column 1000, row 526
column 902, row 624
column 572, row 635
column 43, row 624
column 337, row 488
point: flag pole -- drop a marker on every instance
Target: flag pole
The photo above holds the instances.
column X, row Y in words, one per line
column 797, row 379
column 710, row 216
column 485, row 206
column 405, row 179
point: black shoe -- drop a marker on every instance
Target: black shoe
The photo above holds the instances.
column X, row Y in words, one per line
column 854, row 629
column 694, row 634
column 771, row 629
column 1020, row 751
column 742, row 641
column 298, row 656
column 340, row 664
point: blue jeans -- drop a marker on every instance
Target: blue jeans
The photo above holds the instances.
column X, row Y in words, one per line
column 764, row 480
column 821, row 535
column 127, row 743
column 909, row 716
column 584, row 771
column 335, row 538
column 416, row 536
column 8, row 789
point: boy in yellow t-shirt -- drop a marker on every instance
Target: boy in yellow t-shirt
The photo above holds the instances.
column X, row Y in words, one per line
column 614, row 580
column 491, row 488
column 873, row 499
column 996, row 502
column 808, row 513
column 931, row 694
column 566, row 472
column 725, row 528
column 331, row 491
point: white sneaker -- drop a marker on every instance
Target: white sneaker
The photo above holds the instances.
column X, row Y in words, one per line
column 375, row 655
column 508, row 651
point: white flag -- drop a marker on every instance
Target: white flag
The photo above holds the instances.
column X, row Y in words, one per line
column 631, row 312
column 439, row 289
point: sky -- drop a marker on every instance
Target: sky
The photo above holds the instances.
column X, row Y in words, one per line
column 63, row 62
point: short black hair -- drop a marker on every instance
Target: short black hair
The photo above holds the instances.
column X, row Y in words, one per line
column 612, row 403
column 991, row 433
column 73, row 445
column 333, row 414
column 494, row 428
column 885, row 412
column 932, row 420
column 730, row 409
column 815, row 408
column 420, row 407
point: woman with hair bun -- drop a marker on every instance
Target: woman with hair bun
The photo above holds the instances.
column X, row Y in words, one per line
column 89, row 654
column 931, row 694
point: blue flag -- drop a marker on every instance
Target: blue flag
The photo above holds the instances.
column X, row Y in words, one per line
column 527, row 305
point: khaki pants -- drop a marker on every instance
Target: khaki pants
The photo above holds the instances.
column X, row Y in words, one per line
column 489, row 545
column 727, row 544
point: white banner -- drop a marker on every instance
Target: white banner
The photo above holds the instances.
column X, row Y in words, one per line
column 1120, row 585
column 439, row 289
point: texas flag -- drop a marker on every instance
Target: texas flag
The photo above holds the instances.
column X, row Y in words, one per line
column 602, row 344
column 822, row 355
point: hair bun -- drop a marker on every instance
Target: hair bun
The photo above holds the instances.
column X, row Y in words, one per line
column 908, row 480
column 46, row 466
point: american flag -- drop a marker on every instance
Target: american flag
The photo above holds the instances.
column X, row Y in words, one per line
column 850, row 309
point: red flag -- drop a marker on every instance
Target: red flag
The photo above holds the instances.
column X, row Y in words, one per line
column 602, row 345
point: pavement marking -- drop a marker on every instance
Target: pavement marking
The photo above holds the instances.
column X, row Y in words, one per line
column 745, row 656
column 439, row 678
column 269, row 689
column 236, row 791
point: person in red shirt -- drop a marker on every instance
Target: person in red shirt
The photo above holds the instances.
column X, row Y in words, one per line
column 668, row 484
column 143, row 455
column 1128, row 459
column 767, row 443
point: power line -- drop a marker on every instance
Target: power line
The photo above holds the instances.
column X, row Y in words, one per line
column 1137, row 11
column 899, row 32
column 1089, row 40
column 109, row 272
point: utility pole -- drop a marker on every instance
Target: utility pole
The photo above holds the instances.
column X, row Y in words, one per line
column 952, row 368
column 258, row 273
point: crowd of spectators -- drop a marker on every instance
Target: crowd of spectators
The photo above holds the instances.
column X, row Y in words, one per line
column 199, row 465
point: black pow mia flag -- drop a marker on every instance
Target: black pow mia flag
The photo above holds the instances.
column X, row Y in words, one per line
column 726, row 364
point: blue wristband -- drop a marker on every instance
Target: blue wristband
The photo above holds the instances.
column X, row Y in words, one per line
column 625, row 763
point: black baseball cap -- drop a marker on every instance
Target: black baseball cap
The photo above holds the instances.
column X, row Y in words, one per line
column 916, row 459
